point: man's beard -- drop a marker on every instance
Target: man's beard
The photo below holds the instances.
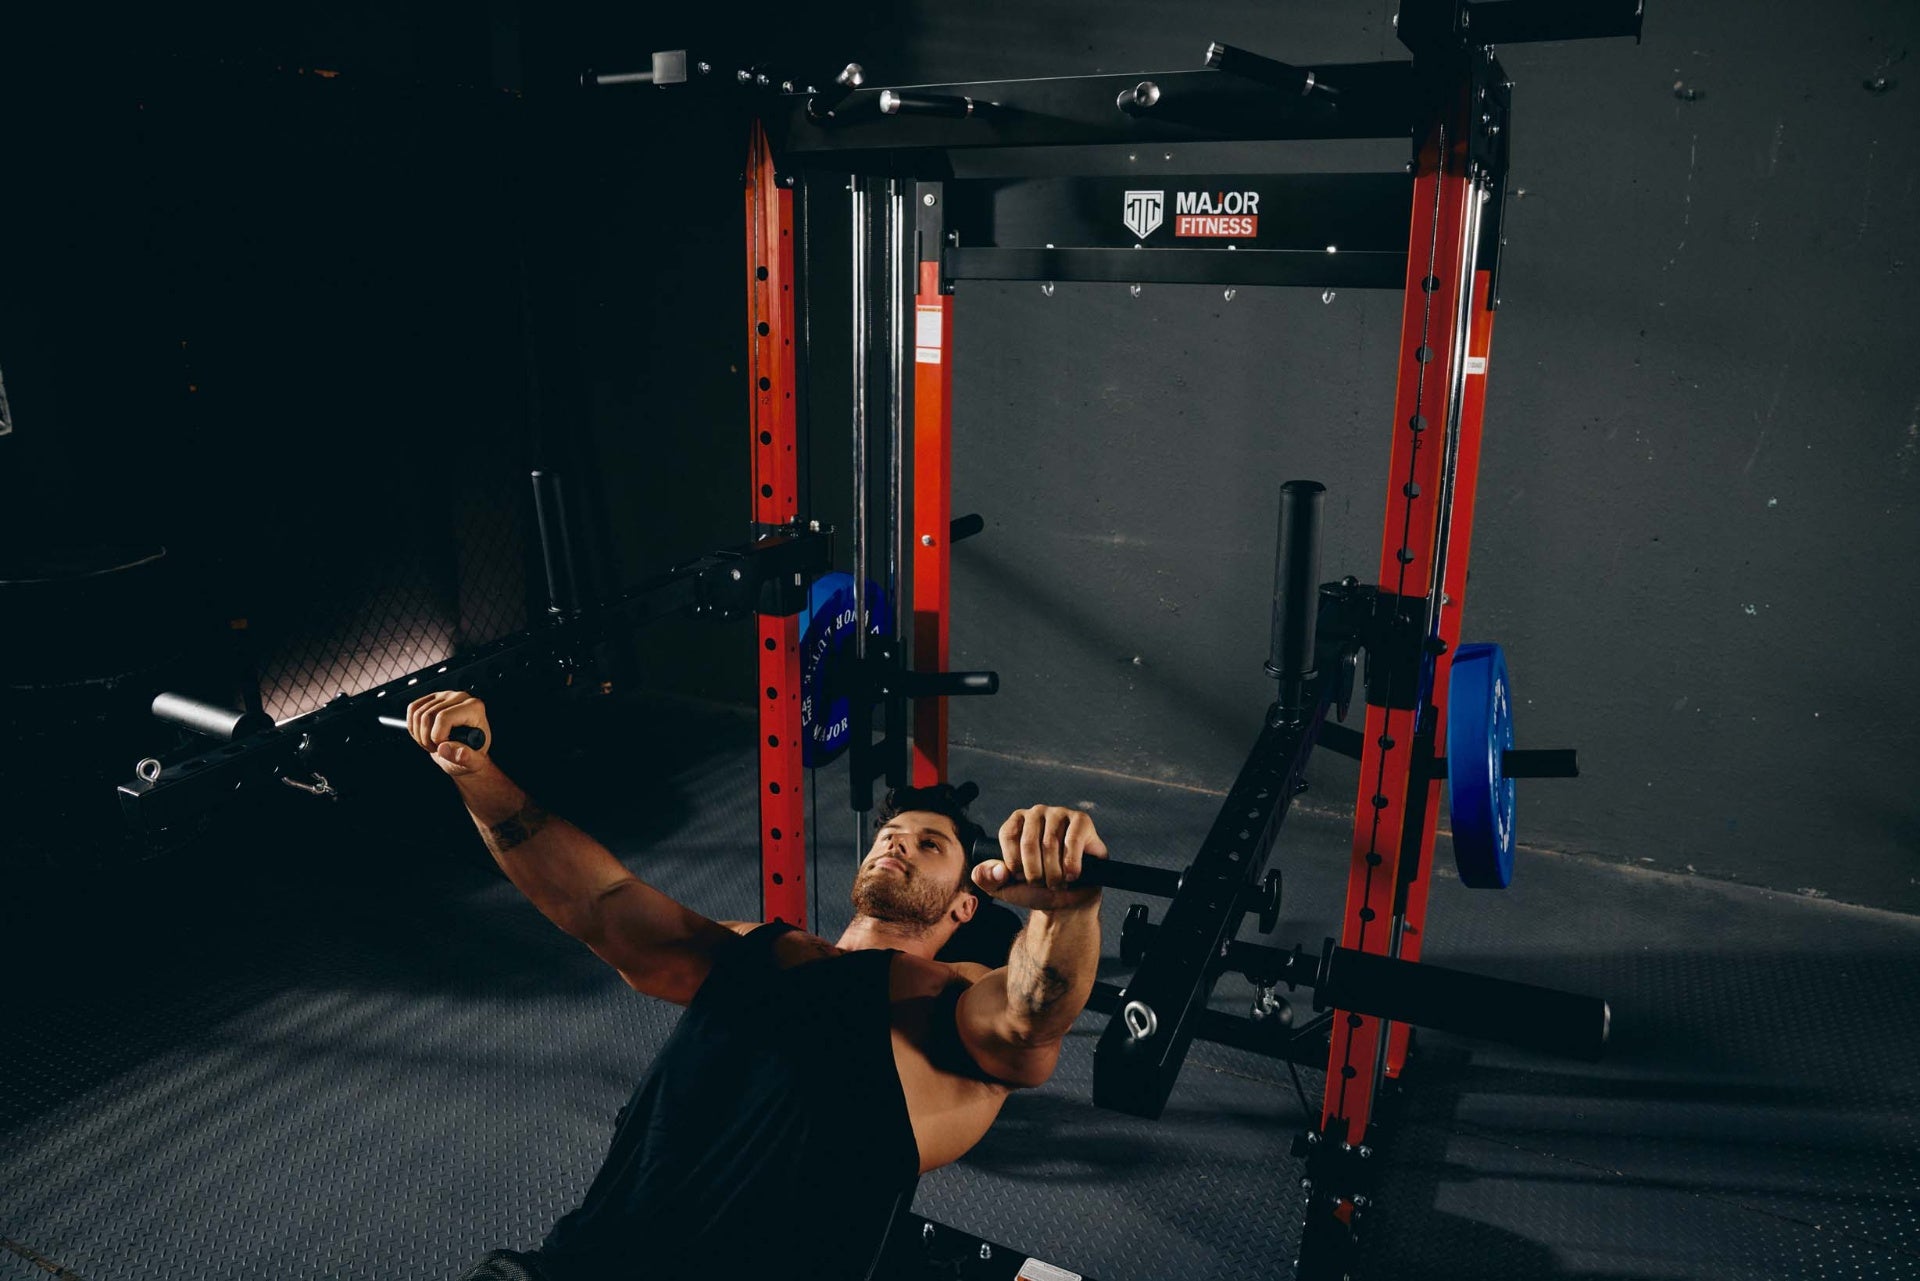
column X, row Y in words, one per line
column 901, row 898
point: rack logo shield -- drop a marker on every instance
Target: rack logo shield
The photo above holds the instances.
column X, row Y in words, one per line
column 1144, row 210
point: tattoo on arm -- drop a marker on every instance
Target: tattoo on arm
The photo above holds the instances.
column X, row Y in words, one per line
column 518, row 830
column 1033, row 987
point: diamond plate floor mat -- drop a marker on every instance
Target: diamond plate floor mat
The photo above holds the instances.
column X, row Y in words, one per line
column 329, row 1045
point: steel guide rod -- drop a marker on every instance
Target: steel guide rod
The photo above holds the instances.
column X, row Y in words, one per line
column 861, row 327
column 898, row 555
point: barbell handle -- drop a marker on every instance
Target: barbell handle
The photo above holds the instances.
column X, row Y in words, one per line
column 1137, row 878
column 1516, row 762
column 472, row 735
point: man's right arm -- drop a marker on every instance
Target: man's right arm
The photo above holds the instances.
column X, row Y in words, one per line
column 659, row 946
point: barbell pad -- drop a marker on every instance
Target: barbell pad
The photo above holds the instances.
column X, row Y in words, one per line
column 209, row 718
column 1479, row 793
column 1474, row 1005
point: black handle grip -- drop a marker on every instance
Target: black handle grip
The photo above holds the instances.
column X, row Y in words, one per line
column 1536, row 762
column 1266, row 71
column 961, row 528
column 209, row 718
column 823, row 104
column 1490, row 1009
column 556, row 544
column 1135, row 878
column 1296, row 589
column 895, row 103
column 949, row 684
column 472, row 735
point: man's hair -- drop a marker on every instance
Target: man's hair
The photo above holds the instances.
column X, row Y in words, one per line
column 988, row 937
column 946, row 799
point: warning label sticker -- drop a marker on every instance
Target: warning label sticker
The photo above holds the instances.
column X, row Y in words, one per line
column 1476, row 364
column 1035, row 1270
column 926, row 335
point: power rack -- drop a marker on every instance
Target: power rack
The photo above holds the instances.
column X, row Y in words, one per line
column 1433, row 231
column 920, row 162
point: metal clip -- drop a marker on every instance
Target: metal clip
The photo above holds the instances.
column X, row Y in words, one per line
column 319, row 786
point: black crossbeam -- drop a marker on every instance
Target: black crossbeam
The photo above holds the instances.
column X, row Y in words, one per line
column 1362, row 269
column 1376, row 100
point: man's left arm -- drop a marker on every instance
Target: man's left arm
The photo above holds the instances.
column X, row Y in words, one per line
column 1013, row 1020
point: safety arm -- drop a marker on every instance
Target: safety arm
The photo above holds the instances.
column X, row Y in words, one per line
column 1013, row 1020
column 659, row 946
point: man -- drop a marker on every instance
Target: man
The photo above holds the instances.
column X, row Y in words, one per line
column 809, row 1084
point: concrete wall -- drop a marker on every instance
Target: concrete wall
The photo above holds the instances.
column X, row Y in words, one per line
column 1698, row 504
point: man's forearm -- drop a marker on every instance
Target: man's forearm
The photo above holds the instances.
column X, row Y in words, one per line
column 560, row 868
column 1050, row 972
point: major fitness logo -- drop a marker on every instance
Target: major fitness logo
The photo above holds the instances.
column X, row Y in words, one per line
column 1219, row 214
column 1144, row 212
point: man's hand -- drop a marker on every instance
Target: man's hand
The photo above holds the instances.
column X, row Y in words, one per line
column 432, row 719
column 1041, row 852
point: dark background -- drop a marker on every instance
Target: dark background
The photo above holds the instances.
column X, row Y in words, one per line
column 301, row 294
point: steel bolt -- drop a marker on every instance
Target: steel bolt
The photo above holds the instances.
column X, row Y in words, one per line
column 926, row 1232
column 1365, row 1151
column 926, row 540
column 735, row 574
column 986, row 1251
column 927, row 200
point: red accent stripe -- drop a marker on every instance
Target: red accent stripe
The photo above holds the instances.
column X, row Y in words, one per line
column 932, row 516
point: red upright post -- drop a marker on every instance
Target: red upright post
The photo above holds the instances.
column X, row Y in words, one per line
column 776, row 502
column 1421, row 508
column 932, row 510
column 1453, row 600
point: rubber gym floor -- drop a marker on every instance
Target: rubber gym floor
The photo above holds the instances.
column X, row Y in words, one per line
column 321, row 1047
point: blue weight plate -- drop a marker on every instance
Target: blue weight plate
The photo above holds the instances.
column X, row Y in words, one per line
column 826, row 663
column 1479, row 730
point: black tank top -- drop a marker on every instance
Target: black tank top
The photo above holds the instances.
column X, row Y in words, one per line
column 771, row 1131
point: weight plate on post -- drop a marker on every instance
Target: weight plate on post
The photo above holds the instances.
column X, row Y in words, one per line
column 1479, row 731
column 827, row 664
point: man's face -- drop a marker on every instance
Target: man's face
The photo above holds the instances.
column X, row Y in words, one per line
column 914, row 871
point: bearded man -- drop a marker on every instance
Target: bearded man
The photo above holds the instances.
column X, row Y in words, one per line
column 809, row 1084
